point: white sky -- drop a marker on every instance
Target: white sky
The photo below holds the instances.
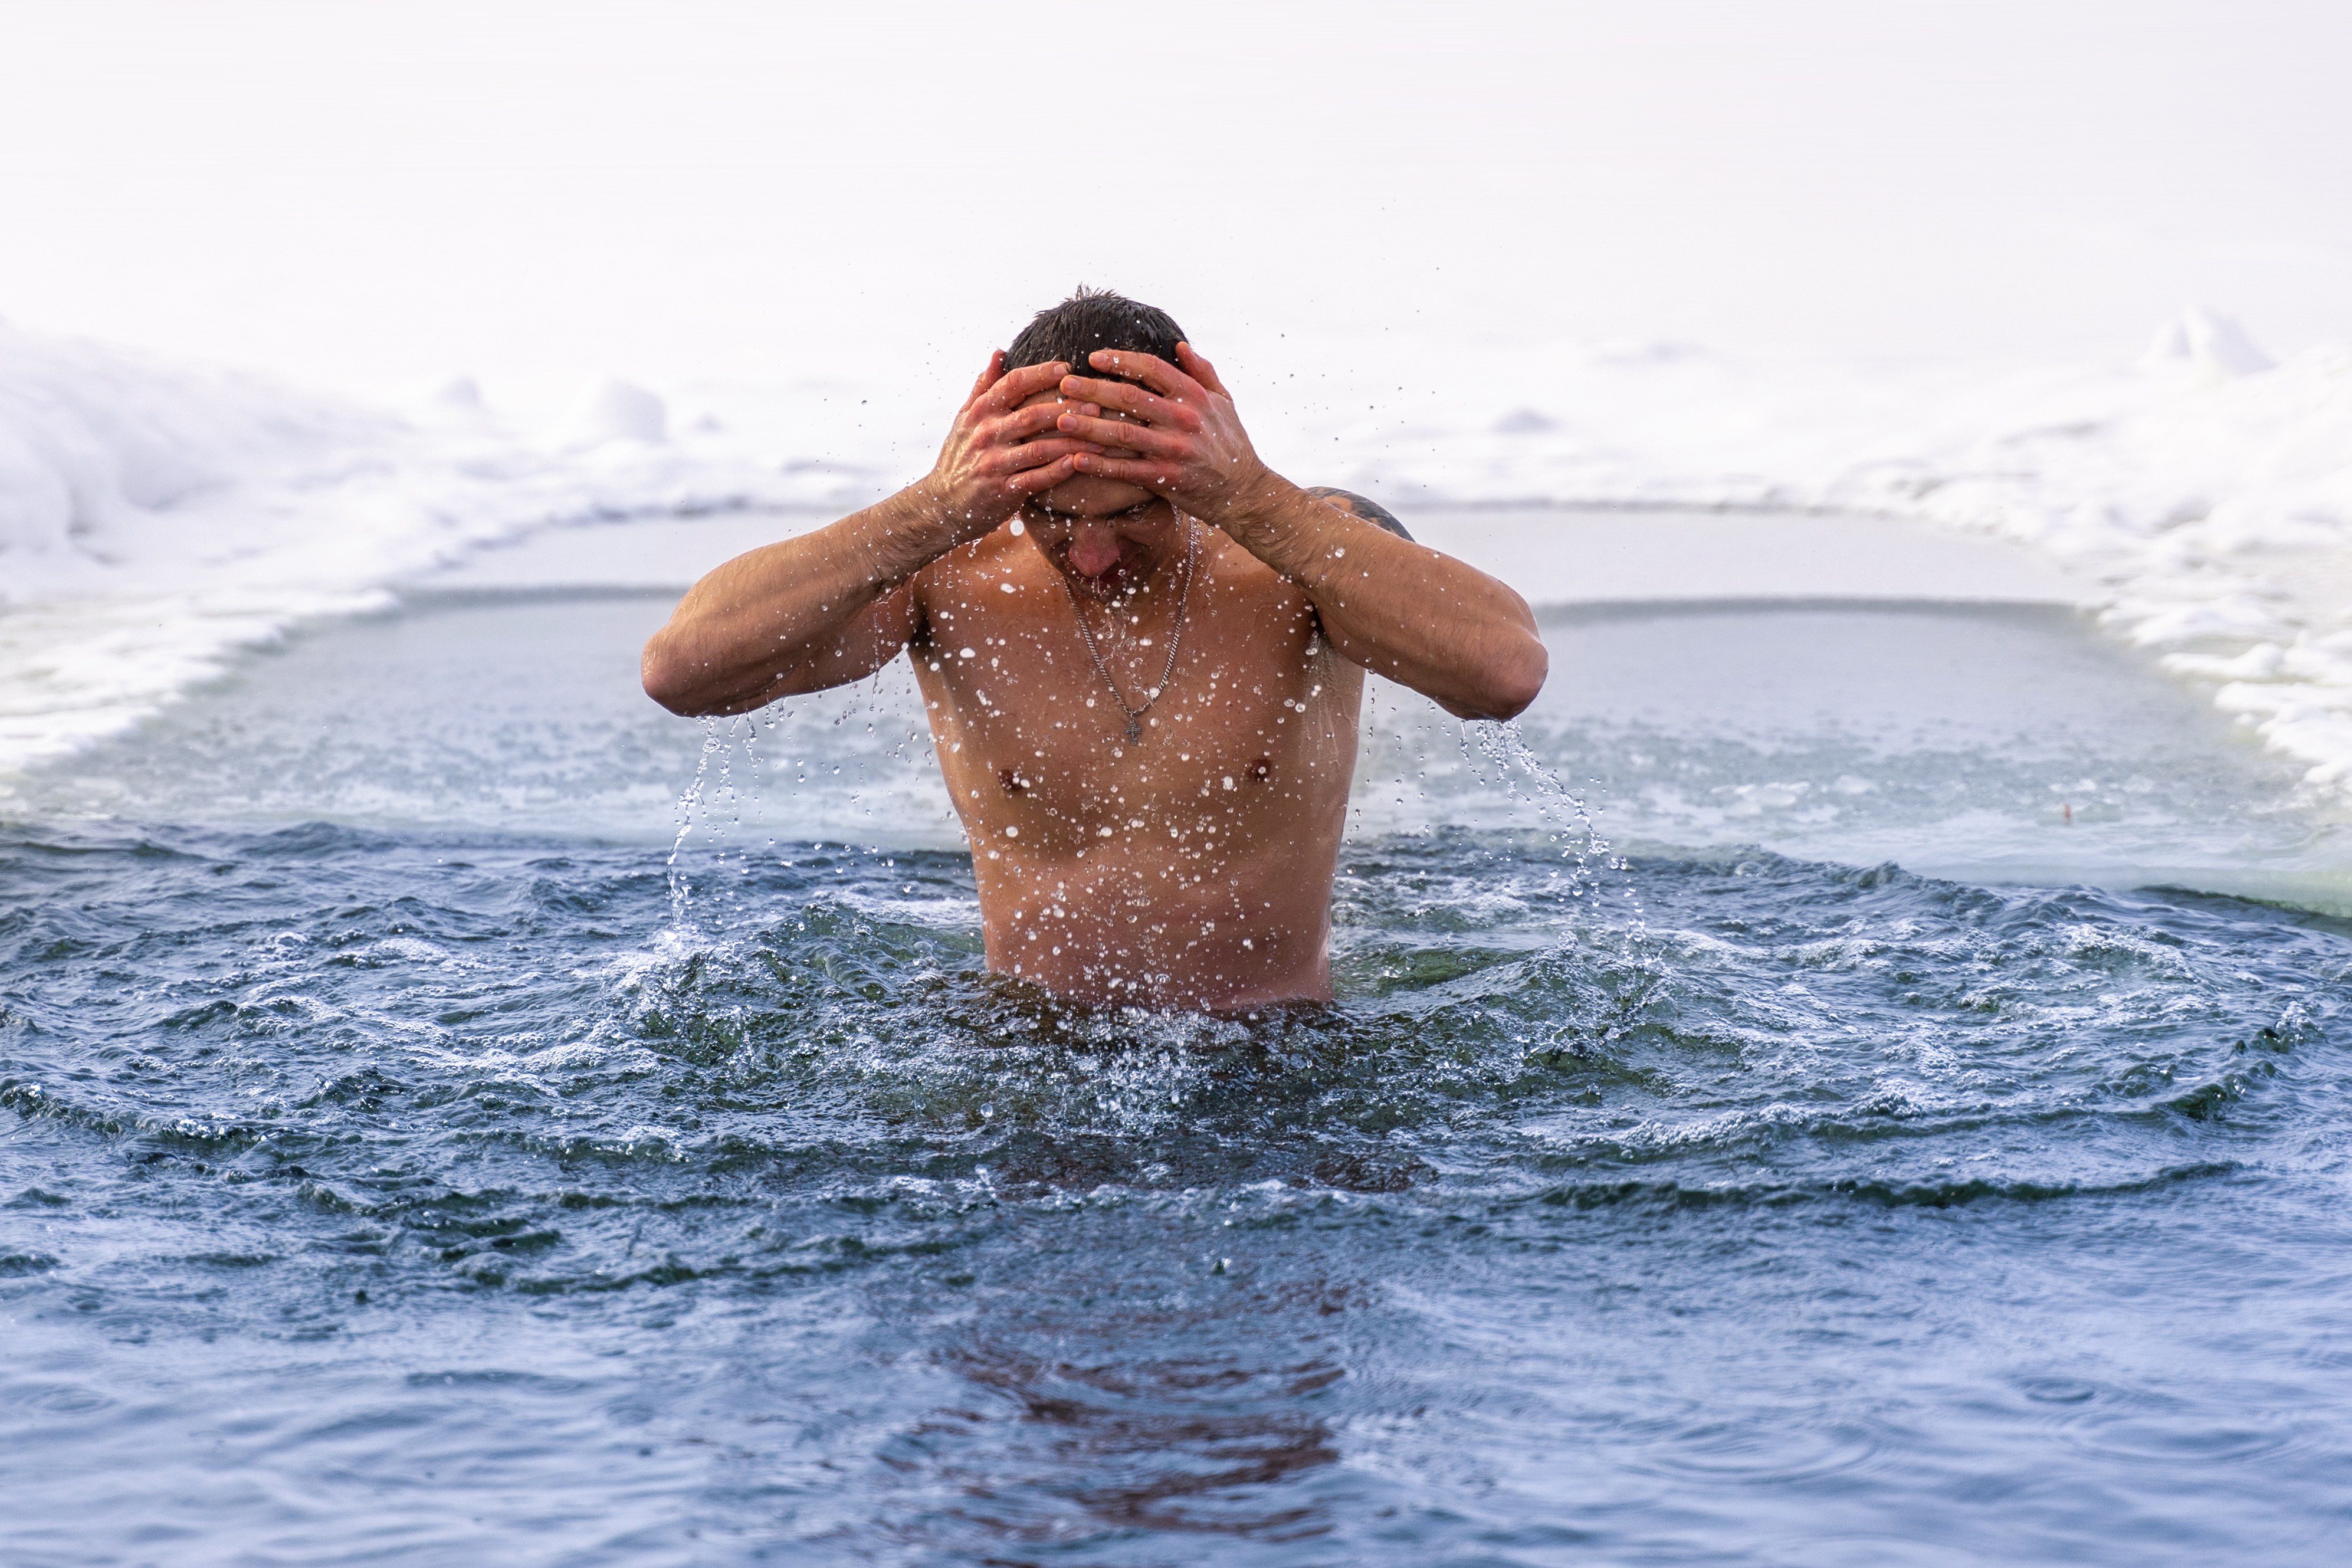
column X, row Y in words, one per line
column 379, row 196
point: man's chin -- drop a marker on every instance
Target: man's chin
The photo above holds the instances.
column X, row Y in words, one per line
column 1103, row 583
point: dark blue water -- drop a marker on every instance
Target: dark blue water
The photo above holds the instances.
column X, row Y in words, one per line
column 384, row 1191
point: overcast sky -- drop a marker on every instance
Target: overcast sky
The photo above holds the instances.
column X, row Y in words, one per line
column 377, row 197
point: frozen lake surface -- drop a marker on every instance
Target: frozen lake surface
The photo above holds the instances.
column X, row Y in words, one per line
column 1917, row 1137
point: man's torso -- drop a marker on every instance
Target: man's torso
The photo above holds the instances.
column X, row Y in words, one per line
column 1192, row 867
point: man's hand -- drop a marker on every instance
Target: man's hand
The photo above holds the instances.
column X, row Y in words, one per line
column 1442, row 627
column 1182, row 425
column 999, row 454
column 836, row 606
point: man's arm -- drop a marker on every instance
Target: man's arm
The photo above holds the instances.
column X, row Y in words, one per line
column 825, row 609
column 1400, row 609
column 837, row 605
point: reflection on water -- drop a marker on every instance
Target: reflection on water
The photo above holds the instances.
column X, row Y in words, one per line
column 420, row 1190
column 1104, row 1441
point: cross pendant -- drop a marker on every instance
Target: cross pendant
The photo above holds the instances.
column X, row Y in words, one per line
column 1134, row 732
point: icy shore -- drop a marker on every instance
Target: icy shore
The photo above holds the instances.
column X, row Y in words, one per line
column 154, row 518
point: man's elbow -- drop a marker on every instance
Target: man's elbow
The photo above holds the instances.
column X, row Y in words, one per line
column 669, row 679
column 1515, row 677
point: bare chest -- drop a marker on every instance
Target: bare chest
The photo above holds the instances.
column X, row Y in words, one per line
column 1225, row 727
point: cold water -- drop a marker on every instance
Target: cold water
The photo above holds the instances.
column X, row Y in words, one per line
column 1904, row 1122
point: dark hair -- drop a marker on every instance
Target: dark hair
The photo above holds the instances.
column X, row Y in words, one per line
column 1094, row 319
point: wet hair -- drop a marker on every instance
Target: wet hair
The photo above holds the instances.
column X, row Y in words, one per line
column 1094, row 319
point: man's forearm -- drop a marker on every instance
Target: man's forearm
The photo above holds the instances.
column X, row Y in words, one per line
column 789, row 608
column 1399, row 609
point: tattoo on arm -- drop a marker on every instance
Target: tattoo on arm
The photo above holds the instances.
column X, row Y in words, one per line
column 1370, row 511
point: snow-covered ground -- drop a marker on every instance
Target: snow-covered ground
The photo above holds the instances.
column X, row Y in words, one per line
column 156, row 517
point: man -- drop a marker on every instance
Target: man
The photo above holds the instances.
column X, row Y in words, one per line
column 1142, row 654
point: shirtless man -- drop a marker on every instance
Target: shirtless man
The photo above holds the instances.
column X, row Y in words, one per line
column 1142, row 653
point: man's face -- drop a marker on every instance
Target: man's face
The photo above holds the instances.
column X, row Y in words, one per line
column 1106, row 535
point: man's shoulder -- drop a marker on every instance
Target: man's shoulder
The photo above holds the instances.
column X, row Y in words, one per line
column 981, row 555
column 1244, row 590
column 948, row 581
column 1364, row 507
column 953, row 574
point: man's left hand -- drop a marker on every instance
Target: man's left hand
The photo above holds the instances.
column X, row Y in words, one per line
column 1180, row 423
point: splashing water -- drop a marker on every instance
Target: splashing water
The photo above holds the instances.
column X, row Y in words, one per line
column 401, row 1167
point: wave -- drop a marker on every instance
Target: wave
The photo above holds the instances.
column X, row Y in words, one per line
column 154, row 517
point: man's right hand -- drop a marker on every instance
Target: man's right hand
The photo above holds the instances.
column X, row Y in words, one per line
column 994, row 458
column 834, row 606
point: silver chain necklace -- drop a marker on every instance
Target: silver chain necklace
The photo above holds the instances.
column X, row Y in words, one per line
column 1175, row 641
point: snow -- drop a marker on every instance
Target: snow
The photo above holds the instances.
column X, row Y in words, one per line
column 616, row 411
column 2212, row 345
column 2202, row 493
column 156, row 517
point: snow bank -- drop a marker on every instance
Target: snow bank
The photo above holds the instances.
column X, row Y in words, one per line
column 2207, row 489
column 91, row 440
column 154, row 518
